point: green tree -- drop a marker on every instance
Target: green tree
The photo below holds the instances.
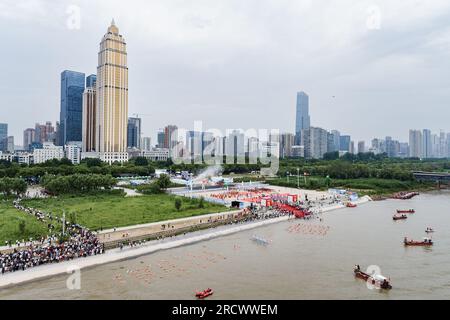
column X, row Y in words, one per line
column 178, row 204
column 141, row 161
column 164, row 181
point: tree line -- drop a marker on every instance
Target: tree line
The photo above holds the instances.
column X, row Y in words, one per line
column 77, row 183
column 9, row 186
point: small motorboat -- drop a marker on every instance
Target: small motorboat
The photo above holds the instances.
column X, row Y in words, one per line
column 429, row 230
column 204, row 294
column 351, row 205
column 376, row 280
column 425, row 243
column 399, row 217
column 406, row 211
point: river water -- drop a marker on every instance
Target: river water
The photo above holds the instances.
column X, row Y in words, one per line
column 304, row 260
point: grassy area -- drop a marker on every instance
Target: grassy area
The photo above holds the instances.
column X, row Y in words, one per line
column 109, row 210
column 9, row 224
column 370, row 186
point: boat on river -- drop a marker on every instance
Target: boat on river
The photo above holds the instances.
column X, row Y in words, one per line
column 429, row 230
column 204, row 294
column 351, row 205
column 426, row 242
column 399, row 217
column 406, row 211
column 376, row 280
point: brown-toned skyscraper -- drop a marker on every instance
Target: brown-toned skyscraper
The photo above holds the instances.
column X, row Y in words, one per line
column 112, row 97
column 89, row 119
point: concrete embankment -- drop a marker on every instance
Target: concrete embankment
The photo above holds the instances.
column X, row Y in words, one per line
column 111, row 238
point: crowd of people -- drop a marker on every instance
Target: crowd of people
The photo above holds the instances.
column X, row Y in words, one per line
column 80, row 243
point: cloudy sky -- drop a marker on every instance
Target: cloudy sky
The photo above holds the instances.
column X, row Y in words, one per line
column 239, row 63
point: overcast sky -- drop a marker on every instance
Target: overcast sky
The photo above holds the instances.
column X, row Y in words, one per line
column 239, row 63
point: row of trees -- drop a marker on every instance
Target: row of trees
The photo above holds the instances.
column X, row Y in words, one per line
column 77, row 183
column 61, row 167
column 346, row 170
column 10, row 186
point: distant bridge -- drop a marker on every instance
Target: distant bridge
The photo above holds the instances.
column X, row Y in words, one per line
column 438, row 177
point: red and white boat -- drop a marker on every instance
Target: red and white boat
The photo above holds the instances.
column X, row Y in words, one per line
column 204, row 294
column 376, row 280
column 406, row 211
column 427, row 242
column 351, row 205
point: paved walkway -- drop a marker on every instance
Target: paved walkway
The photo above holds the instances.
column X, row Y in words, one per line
column 125, row 233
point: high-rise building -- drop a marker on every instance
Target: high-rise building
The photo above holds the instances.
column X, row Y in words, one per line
column 253, row 148
column 392, row 147
column 303, row 120
column 315, row 142
column 361, row 147
column 427, row 145
column 344, row 143
column 352, row 147
column 3, row 136
column 415, row 144
column 3, row 130
column 331, row 147
column 146, row 144
column 170, row 140
column 71, row 118
column 91, row 81
column 134, row 133
column 448, row 145
column 194, row 145
column 336, row 140
column 160, row 139
column 9, row 142
column 442, row 145
column 28, row 138
column 404, row 150
column 235, row 144
column 44, row 132
column 89, row 119
column 112, row 97
column 286, row 143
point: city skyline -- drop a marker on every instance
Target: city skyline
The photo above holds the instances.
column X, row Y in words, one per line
column 158, row 69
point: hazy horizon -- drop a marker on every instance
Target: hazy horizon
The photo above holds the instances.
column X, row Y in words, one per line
column 370, row 68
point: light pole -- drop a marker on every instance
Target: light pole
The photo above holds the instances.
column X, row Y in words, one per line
column 287, row 176
column 298, row 178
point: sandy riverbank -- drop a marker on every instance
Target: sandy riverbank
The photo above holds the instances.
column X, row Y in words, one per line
column 46, row 271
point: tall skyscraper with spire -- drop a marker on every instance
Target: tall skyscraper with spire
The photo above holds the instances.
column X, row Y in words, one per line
column 112, row 97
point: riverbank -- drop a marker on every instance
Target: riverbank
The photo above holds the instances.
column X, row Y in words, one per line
column 113, row 255
column 364, row 186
